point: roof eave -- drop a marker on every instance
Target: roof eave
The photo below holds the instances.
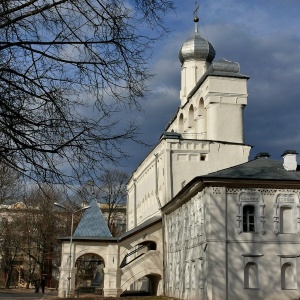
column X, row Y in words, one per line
column 200, row 182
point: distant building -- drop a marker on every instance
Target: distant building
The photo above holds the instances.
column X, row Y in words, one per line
column 23, row 245
column 118, row 217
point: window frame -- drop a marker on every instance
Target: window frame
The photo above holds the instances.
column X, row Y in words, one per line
column 290, row 261
column 246, row 218
column 282, row 200
column 251, row 259
column 254, row 198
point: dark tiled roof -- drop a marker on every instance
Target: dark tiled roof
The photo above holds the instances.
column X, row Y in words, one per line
column 261, row 169
column 140, row 227
column 221, row 68
column 92, row 224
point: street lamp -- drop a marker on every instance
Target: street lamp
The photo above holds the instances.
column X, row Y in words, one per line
column 73, row 212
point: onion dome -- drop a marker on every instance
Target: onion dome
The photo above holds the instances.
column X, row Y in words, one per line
column 197, row 48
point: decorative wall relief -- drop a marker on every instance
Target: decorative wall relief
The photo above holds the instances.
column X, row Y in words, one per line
column 286, row 212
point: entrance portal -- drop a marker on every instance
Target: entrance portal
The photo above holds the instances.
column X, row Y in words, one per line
column 89, row 271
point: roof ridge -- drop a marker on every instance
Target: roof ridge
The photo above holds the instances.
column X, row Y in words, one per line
column 92, row 223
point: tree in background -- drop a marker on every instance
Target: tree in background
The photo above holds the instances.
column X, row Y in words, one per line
column 10, row 247
column 42, row 227
column 112, row 192
column 10, row 185
column 68, row 68
column 29, row 235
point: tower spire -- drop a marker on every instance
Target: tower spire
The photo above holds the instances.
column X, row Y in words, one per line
column 196, row 19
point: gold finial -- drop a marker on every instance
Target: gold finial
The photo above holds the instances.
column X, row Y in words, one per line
column 196, row 19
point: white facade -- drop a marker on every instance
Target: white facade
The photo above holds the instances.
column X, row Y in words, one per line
column 106, row 250
column 126, row 260
column 206, row 135
column 224, row 237
column 210, row 256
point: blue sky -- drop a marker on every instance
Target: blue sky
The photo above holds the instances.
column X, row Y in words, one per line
column 264, row 38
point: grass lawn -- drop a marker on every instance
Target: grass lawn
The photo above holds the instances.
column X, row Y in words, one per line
column 93, row 297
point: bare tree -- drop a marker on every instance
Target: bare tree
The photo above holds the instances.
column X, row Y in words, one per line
column 42, row 226
column 10, row 185
column 67, row 70
column 112, row 192
column 10, row 247
column 29, row 233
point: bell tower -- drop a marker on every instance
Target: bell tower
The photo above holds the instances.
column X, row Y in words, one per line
column 195, row 55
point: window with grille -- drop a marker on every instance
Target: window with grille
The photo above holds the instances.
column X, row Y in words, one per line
column 249, row 218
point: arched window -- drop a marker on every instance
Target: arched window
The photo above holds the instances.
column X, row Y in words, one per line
column 251, row 276
column 191, row 118
column 250, row 212
column 202, row 127
column 288, row 277
column 187, row 275
column 201, row 275
column 286, row 214
column 249, row 218
column 286, row 218
column 180, row 123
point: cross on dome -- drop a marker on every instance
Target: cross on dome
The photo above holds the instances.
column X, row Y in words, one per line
column 196, row 19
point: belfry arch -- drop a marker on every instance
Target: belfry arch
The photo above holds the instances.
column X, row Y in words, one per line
column 191, row 119
column 180, row 124
column 202, row 115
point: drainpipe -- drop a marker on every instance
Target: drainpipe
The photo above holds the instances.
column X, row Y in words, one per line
column 164, row 252
column 156, row 180
column 135, row 210
column 127, row 211
column 169, row 172
column 163, row 223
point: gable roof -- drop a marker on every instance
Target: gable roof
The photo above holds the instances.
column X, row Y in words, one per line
column 148, row 223
column 260, row 169
column 92, row 224
column 263, row 169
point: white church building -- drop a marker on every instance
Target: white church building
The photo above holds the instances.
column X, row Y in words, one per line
column 203, row 221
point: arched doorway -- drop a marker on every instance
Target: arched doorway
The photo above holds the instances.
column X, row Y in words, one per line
column 144, row 286
column 154, row 280
column 89, row 271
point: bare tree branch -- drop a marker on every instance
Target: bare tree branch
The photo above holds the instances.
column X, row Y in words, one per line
column 71, row 72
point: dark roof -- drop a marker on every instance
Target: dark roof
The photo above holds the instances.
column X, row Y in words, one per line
column 221, row 68
column 92, row 224
column 140, row 227
column 262, row 168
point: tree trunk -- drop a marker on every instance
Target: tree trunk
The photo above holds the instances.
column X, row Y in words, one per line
column 8, row 278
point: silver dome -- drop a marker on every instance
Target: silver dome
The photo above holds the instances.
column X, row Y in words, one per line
column 197, row 48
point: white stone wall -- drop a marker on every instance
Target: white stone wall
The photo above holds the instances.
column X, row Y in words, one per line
column 266, row 247
column 159, row 179
column 211, row 127
column 207, row 255
column 185, row 234
column 146, row 188
column 108, row 251
column 191, row 72
column 153, row 265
